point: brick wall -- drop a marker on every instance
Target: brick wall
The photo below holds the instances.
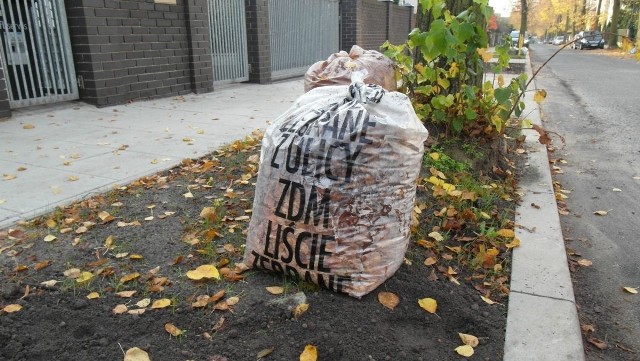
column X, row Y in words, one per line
column 400, row 24
column 136, row 49
column 372, row 24
column 369, row 23
column 349, row 24
column 5, row 109
column 258, row 41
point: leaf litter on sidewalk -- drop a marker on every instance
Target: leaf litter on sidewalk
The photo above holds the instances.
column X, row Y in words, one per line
column 183, row 267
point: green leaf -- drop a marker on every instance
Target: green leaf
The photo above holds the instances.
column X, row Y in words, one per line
column 466, row 32
column 502, row 94
column 470, row 114
column 457, row 125
column 436, row 10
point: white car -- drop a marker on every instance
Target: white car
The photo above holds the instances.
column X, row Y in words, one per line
column 558, row 40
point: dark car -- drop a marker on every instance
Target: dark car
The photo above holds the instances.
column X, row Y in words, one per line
column 589, row 40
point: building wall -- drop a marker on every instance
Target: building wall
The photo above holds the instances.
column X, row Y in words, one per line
column 372, row 23
column 369, row 23
column 135, row 49
column 5, row 109
column 400, row 23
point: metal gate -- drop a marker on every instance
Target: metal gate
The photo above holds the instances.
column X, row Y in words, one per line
column 36, row 52
column 228, row 41
column 302, row 32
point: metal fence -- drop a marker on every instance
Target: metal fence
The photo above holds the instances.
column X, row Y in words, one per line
column 302, row 32
column 36, row 52
column 228, row 41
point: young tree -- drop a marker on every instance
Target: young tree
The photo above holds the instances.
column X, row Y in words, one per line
column 613, row 25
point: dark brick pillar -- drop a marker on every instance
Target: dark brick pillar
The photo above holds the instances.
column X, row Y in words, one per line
column 5, row 108
column 199, row 38
column 348, row 24
column 258, row 41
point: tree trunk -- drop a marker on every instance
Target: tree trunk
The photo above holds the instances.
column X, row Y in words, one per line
column 524, row 9
column 638, row 33
column 613, row 28
column 598, row 15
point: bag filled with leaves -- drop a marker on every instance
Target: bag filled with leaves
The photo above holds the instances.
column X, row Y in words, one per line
column 339, row 67
column 336, row 188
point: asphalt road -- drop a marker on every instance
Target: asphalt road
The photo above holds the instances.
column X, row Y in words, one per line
column 593, row 101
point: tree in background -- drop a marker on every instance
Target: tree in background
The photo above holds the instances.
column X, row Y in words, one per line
column 613, row 26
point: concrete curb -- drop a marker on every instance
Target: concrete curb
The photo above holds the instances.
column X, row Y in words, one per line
column 542, row 320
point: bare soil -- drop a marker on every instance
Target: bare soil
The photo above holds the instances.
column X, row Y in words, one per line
column 59, row 322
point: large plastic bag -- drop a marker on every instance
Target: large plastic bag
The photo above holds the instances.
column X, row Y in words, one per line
column 339, row 67
column 336, row 188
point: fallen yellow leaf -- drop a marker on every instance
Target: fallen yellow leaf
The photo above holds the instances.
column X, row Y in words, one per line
column 84, row 277
column 430, row 261
column 129, row 277
column 487, row 300
column 428, row 304
column 388, row 299
column 507, row 233
column 300, row 309
column 601, row 213
column 120, row 309
column 465, row 350
column 50, row 223
column 136, row 354
column 143, row 302
column 631, row 290
column 49, row 283
column 585, row 262
column 173, row 330
column 125, row 294
column 540, row 95
column 264, row 353
column 72, row 273
column 204, row 271
column 50, row 238
column 310, row 353
column 28, row 126
column 12, row 308
column 513, row 244
column 161, row 303
column 7, row 176
column 93, row 295
column 275, row 290
column 234, row 300
column 470, row 340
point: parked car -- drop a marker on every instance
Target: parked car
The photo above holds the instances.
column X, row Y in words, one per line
column 514, row 39
column 589, row 40
column 558, row 40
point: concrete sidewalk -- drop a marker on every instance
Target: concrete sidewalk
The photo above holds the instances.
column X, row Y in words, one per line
column 57, row 154
column 54, row 155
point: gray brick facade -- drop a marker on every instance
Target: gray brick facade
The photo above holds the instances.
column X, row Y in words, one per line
column 135, row 49
column 369, row 23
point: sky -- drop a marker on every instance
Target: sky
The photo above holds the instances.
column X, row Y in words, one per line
column 501, row 6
